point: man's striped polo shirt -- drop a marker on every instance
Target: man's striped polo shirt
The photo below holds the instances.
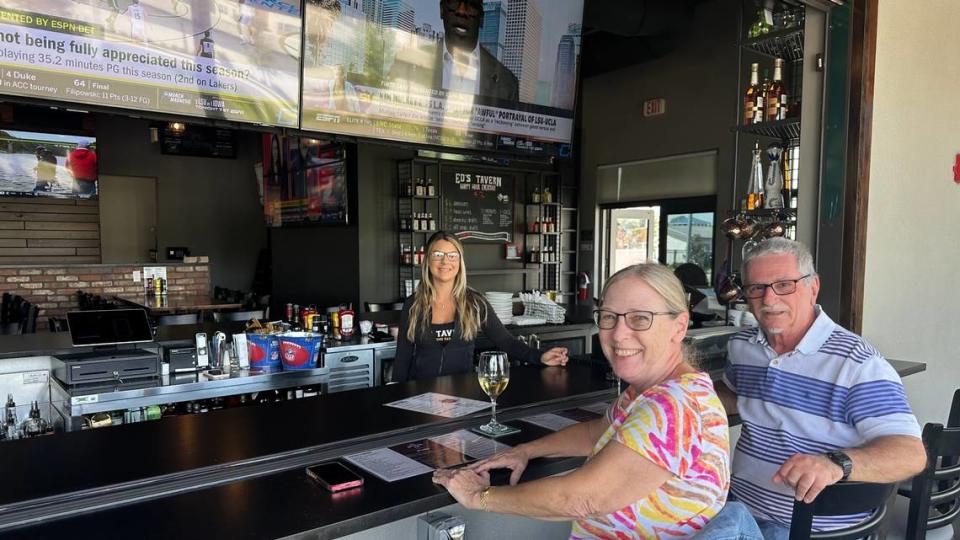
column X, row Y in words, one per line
column 834, row 391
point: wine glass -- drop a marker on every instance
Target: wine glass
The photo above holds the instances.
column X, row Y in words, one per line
column 493, row 371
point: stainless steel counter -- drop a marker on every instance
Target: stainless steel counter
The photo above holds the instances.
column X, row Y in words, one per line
column 174, row 388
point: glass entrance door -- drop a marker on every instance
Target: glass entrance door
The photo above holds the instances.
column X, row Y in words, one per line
column 672, row 232
column 689, row 239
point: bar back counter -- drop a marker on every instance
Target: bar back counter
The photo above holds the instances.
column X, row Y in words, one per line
column 239, row 472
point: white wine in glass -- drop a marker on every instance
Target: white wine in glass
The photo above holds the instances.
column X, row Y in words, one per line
column 493, row 372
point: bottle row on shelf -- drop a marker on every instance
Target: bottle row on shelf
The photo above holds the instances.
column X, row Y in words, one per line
column 768, row 101
column 548, row 225
column 780, row 187
column 420, row 188
column 541, row 197
column 418, row 221
column 547, row 254
column 336, row 322
column 411, row 255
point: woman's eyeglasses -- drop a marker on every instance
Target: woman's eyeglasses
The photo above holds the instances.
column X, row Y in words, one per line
column 638, row 320
column 780, row 288
column 450, row 255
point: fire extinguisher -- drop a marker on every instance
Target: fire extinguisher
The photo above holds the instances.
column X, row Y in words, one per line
column 583, row 285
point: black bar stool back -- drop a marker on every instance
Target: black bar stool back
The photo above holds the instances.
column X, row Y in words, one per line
column 935, row 499
column 842, row 499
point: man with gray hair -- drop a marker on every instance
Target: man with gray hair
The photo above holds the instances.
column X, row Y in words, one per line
column 819, row 404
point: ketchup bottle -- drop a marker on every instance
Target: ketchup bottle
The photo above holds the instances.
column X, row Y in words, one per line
column 346, row 321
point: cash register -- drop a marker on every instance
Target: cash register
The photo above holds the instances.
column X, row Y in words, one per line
column 113, row 336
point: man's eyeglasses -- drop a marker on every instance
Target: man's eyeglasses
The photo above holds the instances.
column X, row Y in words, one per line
column 450, row 255
column 638, row 320
column 780, row 288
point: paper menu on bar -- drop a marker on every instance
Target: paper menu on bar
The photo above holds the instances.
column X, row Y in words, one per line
column 387, row 464
column 440, row 405
column 471, row 444
column 562, row 419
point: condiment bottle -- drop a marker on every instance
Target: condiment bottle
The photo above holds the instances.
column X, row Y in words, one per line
column 346, row 321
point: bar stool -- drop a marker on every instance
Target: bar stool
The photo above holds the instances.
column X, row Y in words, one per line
column 842, row 499
column 935, row 493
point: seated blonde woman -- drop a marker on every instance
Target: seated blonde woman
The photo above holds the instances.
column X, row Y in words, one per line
column 657, row 462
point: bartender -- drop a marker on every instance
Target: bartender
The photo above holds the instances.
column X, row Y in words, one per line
column 440, row 322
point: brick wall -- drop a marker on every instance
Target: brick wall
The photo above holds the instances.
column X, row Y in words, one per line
column 54, row 288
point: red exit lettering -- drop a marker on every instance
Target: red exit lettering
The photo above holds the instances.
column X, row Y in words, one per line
column 654, row 107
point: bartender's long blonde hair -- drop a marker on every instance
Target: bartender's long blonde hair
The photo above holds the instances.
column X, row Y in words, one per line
column 470, row 306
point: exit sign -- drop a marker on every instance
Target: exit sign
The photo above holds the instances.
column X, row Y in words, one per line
column 654, row 107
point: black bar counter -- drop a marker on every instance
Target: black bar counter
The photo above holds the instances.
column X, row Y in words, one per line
column 239, row 472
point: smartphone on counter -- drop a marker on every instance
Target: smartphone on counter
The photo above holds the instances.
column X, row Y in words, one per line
column 334, row 476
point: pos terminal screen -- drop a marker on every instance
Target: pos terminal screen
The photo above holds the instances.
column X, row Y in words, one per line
column 108, row 327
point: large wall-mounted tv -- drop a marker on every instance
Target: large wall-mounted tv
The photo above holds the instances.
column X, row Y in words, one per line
column 229, row 60
column 35, row 164
column 480, row 74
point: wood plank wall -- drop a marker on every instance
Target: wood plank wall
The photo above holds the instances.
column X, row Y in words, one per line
column 40, row 230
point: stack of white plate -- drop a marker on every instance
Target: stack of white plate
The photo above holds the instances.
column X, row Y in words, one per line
column 502, row 303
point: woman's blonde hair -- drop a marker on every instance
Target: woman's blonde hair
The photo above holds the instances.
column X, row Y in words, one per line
column 657, row 277
column 467, row 301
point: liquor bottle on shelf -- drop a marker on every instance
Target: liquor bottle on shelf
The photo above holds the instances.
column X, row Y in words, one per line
column 420, row 188
column 776, row 94
column 754, row 193
column 772, row 187
column 432, row 223
column 431, row 190
column 753, row 98
column 787, row 176
column 535, row 197
column 547, row 197
column 794, row 154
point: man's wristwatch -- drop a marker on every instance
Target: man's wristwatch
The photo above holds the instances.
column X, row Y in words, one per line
column 843, row 461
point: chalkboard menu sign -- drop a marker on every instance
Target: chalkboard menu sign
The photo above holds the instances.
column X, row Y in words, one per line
column 477, row 203
column 199, row 141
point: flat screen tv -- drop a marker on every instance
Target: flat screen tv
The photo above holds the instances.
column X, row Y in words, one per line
column 478, row 74
column 304, row 181
column 235, row 60
column 35, row 164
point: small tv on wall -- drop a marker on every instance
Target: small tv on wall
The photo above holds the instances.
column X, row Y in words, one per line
column 305, row 181
column 38, row 164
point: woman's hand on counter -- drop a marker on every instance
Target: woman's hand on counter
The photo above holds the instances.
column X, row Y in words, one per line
column 556, row 356
column 464, row 484
column 515, row 459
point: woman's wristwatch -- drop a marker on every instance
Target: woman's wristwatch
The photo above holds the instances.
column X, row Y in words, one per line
column 843, row 461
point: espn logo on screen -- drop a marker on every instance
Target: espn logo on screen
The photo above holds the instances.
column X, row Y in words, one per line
column 654, row 107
